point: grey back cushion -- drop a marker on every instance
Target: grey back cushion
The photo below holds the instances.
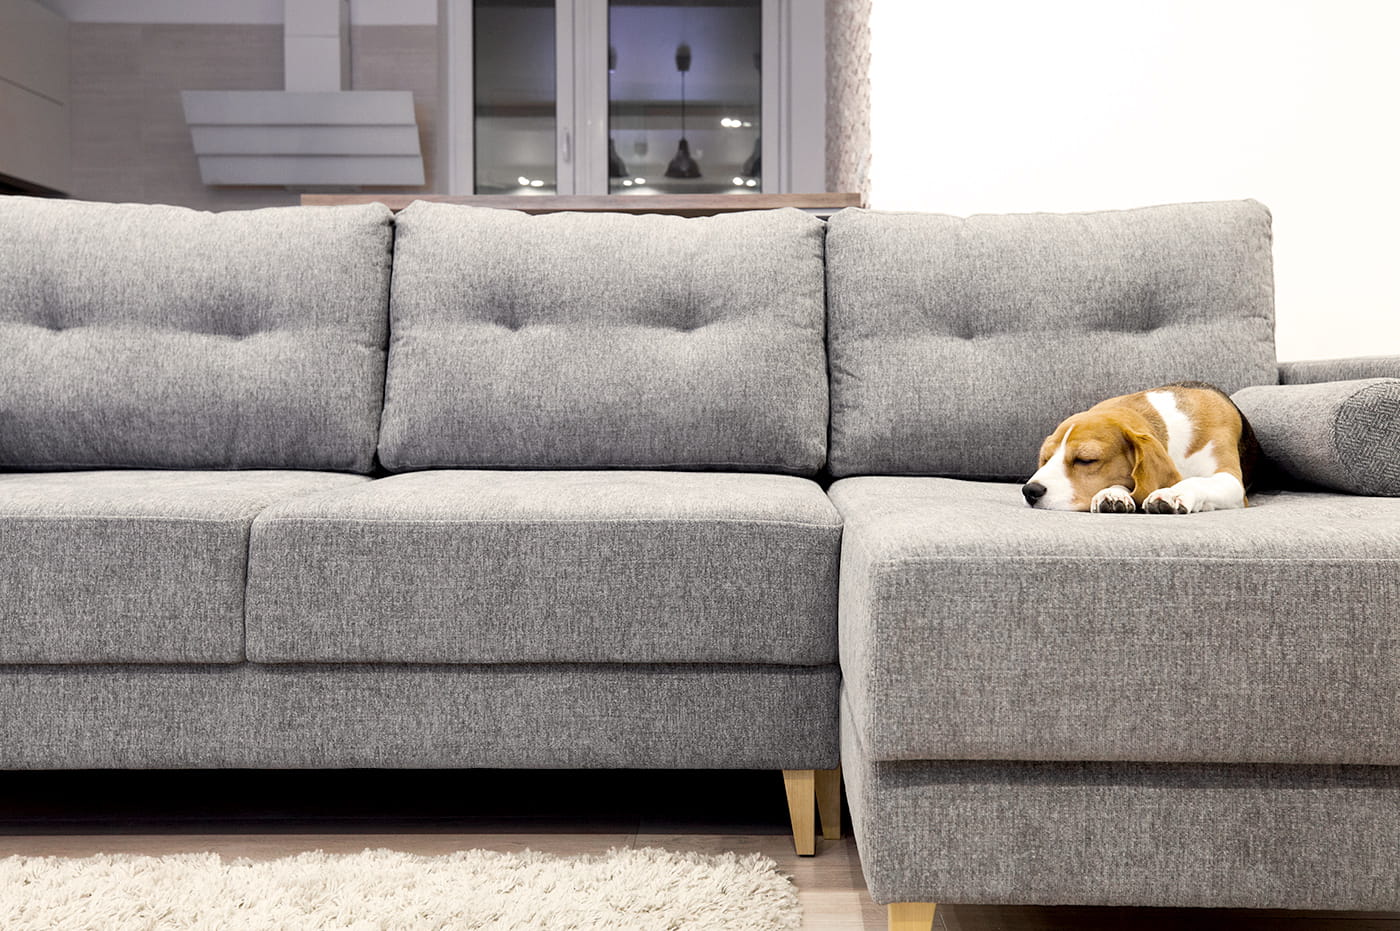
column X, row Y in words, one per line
column 160, row 337
column 578, row 340
column 957, row 344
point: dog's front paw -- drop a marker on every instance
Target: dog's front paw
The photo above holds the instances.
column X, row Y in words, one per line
column 1168, row 501
column 1114, row 500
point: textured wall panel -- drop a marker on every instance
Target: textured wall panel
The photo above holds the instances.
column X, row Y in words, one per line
column 848, row 95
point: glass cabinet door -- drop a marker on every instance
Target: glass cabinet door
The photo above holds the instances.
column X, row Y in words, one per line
column 632, row 96
column 685, row 96
column 514, row 80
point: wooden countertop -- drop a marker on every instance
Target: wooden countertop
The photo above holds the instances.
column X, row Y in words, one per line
column 685, row 205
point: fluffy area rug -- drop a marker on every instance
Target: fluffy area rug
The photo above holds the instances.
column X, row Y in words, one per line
column 381, row 889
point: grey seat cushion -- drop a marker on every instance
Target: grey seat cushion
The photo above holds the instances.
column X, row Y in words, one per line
column 606, row 341
column 973, row 627
column 134, row 566
column 574, row 567
column 141, row 336
column 957, row 344
column 1342, row 435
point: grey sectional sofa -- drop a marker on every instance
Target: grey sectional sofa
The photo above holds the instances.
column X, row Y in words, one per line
column 326, row 487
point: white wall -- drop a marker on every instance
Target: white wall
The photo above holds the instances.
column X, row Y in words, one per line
column 1081, row 105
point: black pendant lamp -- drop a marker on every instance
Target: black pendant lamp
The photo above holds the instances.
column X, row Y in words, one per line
column 683, row 166
column 753, row 165
column 617, row 168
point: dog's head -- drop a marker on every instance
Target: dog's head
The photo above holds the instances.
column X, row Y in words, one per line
column 1096, row 450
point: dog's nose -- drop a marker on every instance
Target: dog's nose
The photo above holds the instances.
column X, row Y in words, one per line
column 1033, row 491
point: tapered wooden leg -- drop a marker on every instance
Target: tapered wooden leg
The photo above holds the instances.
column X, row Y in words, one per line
column 911, row 916
column 829, row 802
column 802, row 809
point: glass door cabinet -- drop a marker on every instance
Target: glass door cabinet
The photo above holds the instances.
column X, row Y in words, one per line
column 635, row 97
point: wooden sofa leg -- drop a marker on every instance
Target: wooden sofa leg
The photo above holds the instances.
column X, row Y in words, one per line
column 829, row 802
column 802, row 809
column 911, row 916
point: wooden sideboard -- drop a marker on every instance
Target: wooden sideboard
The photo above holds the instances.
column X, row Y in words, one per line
column 683, row 205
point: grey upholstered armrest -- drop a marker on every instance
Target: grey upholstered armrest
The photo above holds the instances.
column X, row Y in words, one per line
column 1313, row 371
column 1343, row 435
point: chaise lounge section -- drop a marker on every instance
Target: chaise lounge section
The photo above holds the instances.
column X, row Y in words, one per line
column 1044, row 707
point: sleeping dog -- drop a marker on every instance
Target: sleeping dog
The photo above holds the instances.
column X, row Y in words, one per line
column 1177, row 449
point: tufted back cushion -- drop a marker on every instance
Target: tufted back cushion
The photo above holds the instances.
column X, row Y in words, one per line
column 957, row 344
column 605, row 341
column 161, row 337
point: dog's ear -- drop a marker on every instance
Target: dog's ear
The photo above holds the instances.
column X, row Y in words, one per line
column 1052, row 442
column 1152, row 468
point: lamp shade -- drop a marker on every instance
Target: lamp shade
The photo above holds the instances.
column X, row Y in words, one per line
column 683, row 166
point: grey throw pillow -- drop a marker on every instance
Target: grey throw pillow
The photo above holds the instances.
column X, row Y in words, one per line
column 1343, row 435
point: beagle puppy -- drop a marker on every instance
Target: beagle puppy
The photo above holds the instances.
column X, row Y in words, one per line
column 1177, row 449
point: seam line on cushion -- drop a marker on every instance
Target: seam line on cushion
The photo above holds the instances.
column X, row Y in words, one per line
column 73, row 518
column 905, row 563
column 534, row 520
column 48, row 468
column 750, row 467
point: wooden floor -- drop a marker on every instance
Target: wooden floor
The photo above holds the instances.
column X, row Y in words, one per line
column 269, row 814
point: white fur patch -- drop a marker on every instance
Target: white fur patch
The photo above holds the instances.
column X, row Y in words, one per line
column 1181, row 432
column 1059, row 493
column 1197, row 493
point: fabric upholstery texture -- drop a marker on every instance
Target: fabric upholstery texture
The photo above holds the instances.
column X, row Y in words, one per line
column 606, row 341
column 568, row 716
column 142, row 336
column 1343, row 435
column 1312, row 371
column 1170, row 835
column 490, row 567
column 133, row 566
column 974, row 627
column 957, row 344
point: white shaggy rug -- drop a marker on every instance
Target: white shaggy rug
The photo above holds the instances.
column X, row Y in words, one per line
column 381, row 889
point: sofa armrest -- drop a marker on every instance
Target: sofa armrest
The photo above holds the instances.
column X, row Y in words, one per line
column 1314, row 371
column 1343, row 435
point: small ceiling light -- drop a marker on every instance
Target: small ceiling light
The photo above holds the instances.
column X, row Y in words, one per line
column 683, row 166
